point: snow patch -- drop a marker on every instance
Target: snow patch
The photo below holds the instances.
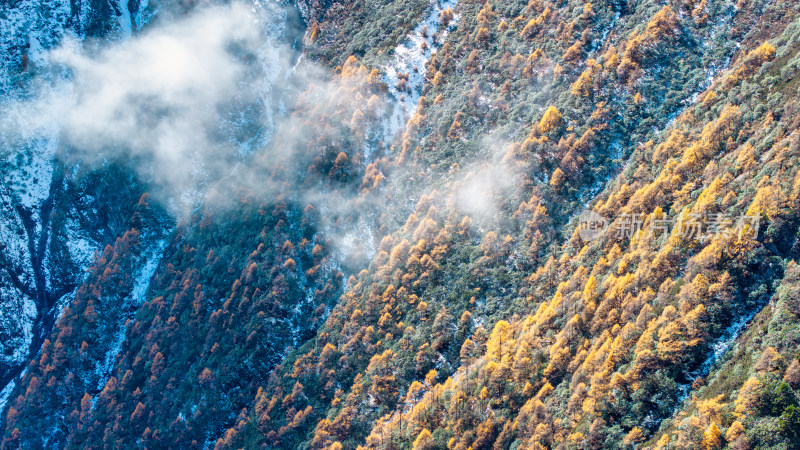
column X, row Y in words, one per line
column 143, row 15
column 17, row 316
column 125, row 23
column 141, row 283
column 411, row 57
column 147, row 271
column 25, row 28
column 80, row 247
column 32, row 171
column 5, row 394
column 718, row 348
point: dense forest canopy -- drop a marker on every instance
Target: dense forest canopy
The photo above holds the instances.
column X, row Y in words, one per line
column 433, row 225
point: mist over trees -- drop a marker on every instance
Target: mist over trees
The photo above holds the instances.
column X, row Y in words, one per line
column 306, row 273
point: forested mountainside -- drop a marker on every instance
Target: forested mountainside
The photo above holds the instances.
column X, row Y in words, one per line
column 400, row 224
column 52, row 218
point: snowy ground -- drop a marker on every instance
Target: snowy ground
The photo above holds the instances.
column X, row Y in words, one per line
column 410, row 57
column 25, row 185
column 149, row 263
column 26, row 30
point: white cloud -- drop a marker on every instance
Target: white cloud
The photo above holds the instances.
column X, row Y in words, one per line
column 186, row 98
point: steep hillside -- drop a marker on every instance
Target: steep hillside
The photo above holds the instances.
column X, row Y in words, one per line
column 30, row 193
column 520, row 224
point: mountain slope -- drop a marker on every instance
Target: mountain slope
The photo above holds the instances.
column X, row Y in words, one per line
column 55, row 213
column 433, row 285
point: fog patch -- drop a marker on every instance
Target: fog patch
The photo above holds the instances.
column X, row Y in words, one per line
column 183, row 102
